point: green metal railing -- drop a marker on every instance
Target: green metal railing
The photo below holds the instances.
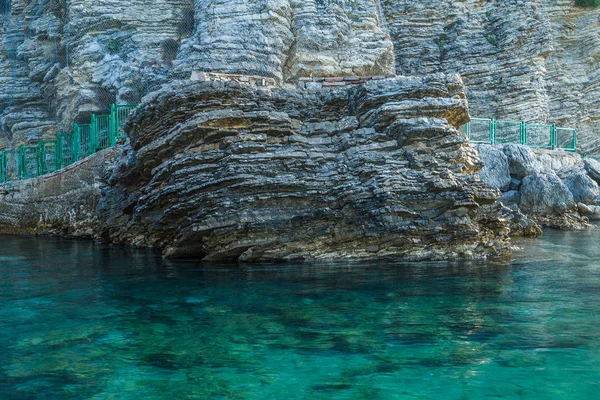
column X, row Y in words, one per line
column 102, row 132
column 481, row 130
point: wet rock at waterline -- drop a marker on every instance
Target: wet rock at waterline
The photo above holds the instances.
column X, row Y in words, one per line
column 254, row 175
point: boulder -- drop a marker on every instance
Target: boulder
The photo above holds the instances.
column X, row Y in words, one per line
column 592, row 168
column 519, row 224
column 557, row 159
column 584, row 188
column 495, row 172
column 511, row 197
column 544, row 193
column 590, row 211
column 521, row 160
column 515, row 184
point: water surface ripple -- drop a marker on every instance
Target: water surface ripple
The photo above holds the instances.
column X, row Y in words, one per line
column 85, row 321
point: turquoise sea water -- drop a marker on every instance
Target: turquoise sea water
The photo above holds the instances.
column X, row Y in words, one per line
column 86, row 321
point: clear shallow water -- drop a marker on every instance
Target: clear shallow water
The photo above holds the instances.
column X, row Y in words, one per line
column 85, row 321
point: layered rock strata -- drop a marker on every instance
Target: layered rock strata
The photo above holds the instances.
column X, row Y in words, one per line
column 537, row 61
column 287, row 39
column 226, row 171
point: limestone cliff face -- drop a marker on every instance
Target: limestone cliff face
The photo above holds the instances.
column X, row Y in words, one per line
column 532, row 60
column 62, row 61
column 230, row 172
column 286, row 39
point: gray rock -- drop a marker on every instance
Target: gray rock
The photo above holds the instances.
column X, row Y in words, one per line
column 521, row 160
column 520, row 225
column 590, row 211
column 592, row 167
column 555, row 159
column 250, row 174
column 512, row 197
column 495, row 172
column 549, row 77
column 584, row 188
column 545, row 194
column 515, row 184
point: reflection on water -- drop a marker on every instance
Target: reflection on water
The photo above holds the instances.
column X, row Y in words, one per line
column 85, row 321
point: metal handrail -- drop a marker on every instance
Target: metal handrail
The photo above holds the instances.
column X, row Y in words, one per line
column 102, row 132
column 526, row 134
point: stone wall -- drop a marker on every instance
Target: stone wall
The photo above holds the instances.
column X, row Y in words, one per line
column 62, row 203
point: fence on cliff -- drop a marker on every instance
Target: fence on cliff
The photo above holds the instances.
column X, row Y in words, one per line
column 102, row 132
column 546, row 136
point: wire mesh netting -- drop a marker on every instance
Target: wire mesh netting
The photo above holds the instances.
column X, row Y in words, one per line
column 479, row 130
column 507, row 132
column 566, row 138
column 539, row 135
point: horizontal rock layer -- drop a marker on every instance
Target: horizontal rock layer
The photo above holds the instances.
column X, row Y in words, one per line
column 537, row 61
column 226, row 171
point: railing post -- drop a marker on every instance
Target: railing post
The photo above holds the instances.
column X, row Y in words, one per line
column 75, row 142
column 553, row 137
column 522, row 133
column 58, row 152
column 492, row 131
column 3, row 167
column 21, row 167
column 574, row 139
column 93, row 134
column 41, row 157
column 113, row 126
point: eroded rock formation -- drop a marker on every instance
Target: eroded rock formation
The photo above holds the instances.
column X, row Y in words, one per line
column 532, row 60
column 226, row 171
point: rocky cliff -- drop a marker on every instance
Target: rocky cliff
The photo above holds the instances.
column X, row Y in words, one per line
column 225, row 171
column 62, row 61
column 534, row 60
column 228, row 171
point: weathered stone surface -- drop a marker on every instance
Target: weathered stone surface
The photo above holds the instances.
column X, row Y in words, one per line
column 520, row 225
column 288, row 39
column 592, row 212
column 521, row 160
column 534, row 60
column 515, row 184
column 62, row 61
column 592, row 167
column 61, row 203
column 555, row 159
column 512, row 197
column 584, row 188
column 545, row 193
column 495, row 172
column 252, row 175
